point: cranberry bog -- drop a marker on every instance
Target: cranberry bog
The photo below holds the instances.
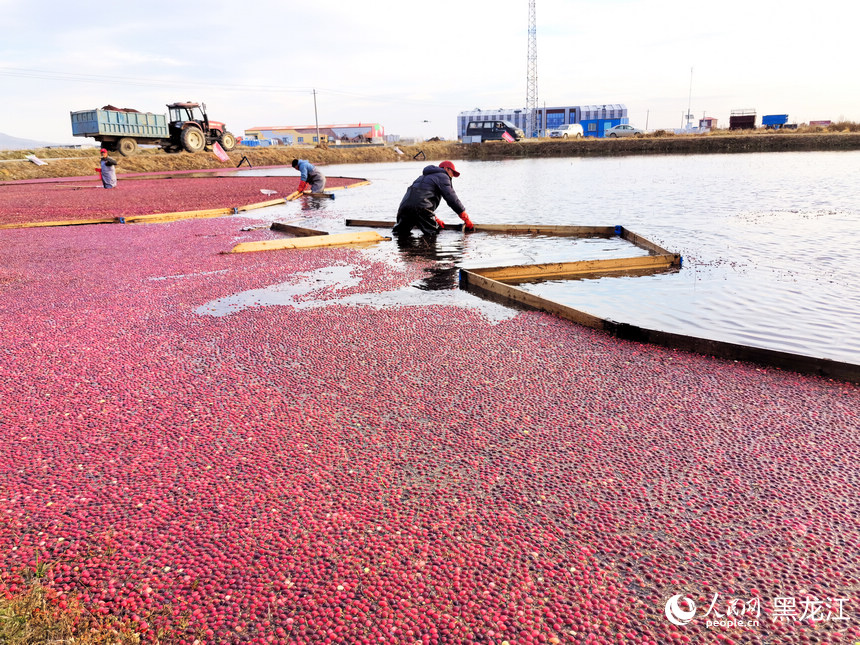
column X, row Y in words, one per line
column 356, row 474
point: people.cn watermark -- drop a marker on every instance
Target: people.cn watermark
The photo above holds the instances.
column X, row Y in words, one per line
column 681, row 610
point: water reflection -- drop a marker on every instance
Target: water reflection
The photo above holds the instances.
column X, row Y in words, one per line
column 444, row 256
column 313, row 203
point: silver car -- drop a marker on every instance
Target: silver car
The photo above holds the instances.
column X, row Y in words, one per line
column 572, row 130
column 622, row 130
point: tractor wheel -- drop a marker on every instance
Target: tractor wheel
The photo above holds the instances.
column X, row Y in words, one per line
column 227, row 141
column 193, row 139
column 127, row 146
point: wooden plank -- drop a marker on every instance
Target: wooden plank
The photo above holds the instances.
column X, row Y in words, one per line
column 363, row 182
column 321, row 195
column 271, row 202
column 540, row 229
column 292, row 196
column 298, row 231
column 642, row 243
column 65, row 222
column 528, row 229
column 470, row 280
column 371, row 223
column 562, row 270
column 310, row 242
column 158, row 218
column 734, row 352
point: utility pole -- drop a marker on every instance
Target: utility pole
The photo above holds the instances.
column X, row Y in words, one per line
column 690, row 101
column 316, row 118
column 531, row 68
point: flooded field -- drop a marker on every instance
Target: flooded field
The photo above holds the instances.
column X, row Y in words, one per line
column 770, row 242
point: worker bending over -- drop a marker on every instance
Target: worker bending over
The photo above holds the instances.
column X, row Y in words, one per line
column 422, row 198
column 311, row 177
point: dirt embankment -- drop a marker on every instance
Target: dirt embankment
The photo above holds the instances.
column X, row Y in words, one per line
column 82, row 162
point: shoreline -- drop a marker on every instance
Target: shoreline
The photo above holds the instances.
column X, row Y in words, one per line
column 64, row 162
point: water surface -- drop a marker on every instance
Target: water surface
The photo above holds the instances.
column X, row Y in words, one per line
column 770, row 241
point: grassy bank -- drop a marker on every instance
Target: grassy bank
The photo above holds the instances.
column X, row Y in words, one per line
column 81, row 162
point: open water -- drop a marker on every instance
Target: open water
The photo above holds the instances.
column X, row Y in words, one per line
column 770, row 241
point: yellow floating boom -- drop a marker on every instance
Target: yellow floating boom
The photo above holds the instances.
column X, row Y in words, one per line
column 314, row 241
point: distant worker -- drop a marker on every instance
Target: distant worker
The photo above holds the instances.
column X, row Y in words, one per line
column 311, row 177
column 422, row 198
column 107, row 167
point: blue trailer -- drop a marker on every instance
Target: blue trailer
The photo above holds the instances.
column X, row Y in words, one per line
column 189, row 128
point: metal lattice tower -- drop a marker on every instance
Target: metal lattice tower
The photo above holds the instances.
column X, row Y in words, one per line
column 531, row 69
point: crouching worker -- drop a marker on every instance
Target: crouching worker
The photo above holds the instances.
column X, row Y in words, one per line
column 311, row 177
column 422, row 198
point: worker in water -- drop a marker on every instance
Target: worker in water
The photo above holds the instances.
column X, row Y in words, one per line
column 422, row 198
column 107, row 168
column 311, row 177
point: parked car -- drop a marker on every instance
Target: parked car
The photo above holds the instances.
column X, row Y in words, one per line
column 567, row 130
column 494, row 130
column 622, row 130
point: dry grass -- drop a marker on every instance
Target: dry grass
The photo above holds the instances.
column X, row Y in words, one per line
column 37, row 617
column 82, row 162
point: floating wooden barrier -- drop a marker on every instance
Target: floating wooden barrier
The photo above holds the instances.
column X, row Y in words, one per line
column 298, row 231
column 372, row 223
column 520, row 229
column 565, row 270
column 271, row 202
column 477, row 280
column 363, row 182
column 310, row 242
column 160, row 218
column 66, row 222
column 640, row 241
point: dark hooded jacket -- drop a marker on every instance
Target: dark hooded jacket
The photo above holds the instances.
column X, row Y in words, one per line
column 429, row 189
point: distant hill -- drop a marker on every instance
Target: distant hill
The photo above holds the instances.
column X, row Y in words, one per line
column 8, row 142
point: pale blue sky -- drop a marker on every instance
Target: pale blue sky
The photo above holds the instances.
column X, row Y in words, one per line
column 402, row 63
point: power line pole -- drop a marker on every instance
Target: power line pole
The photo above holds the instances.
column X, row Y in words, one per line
column 531, row 68
column 316, row 118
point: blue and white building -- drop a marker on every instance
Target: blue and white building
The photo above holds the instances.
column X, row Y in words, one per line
column 595, row 119
column 518, row 117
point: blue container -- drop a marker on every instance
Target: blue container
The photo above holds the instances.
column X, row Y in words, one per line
column 94, row 123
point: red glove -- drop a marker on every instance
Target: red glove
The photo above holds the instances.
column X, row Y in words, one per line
column 465, row 217
column 439, row 222
column 303, row 186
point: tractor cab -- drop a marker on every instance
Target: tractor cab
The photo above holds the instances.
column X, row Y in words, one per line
column 181, row 113
column 191, row 129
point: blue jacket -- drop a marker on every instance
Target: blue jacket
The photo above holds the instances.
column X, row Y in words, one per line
column 429, row 189
column 308, row 170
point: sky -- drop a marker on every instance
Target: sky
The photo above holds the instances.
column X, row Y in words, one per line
column 414, row 66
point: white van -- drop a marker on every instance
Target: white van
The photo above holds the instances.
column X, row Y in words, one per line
column 567, row 130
